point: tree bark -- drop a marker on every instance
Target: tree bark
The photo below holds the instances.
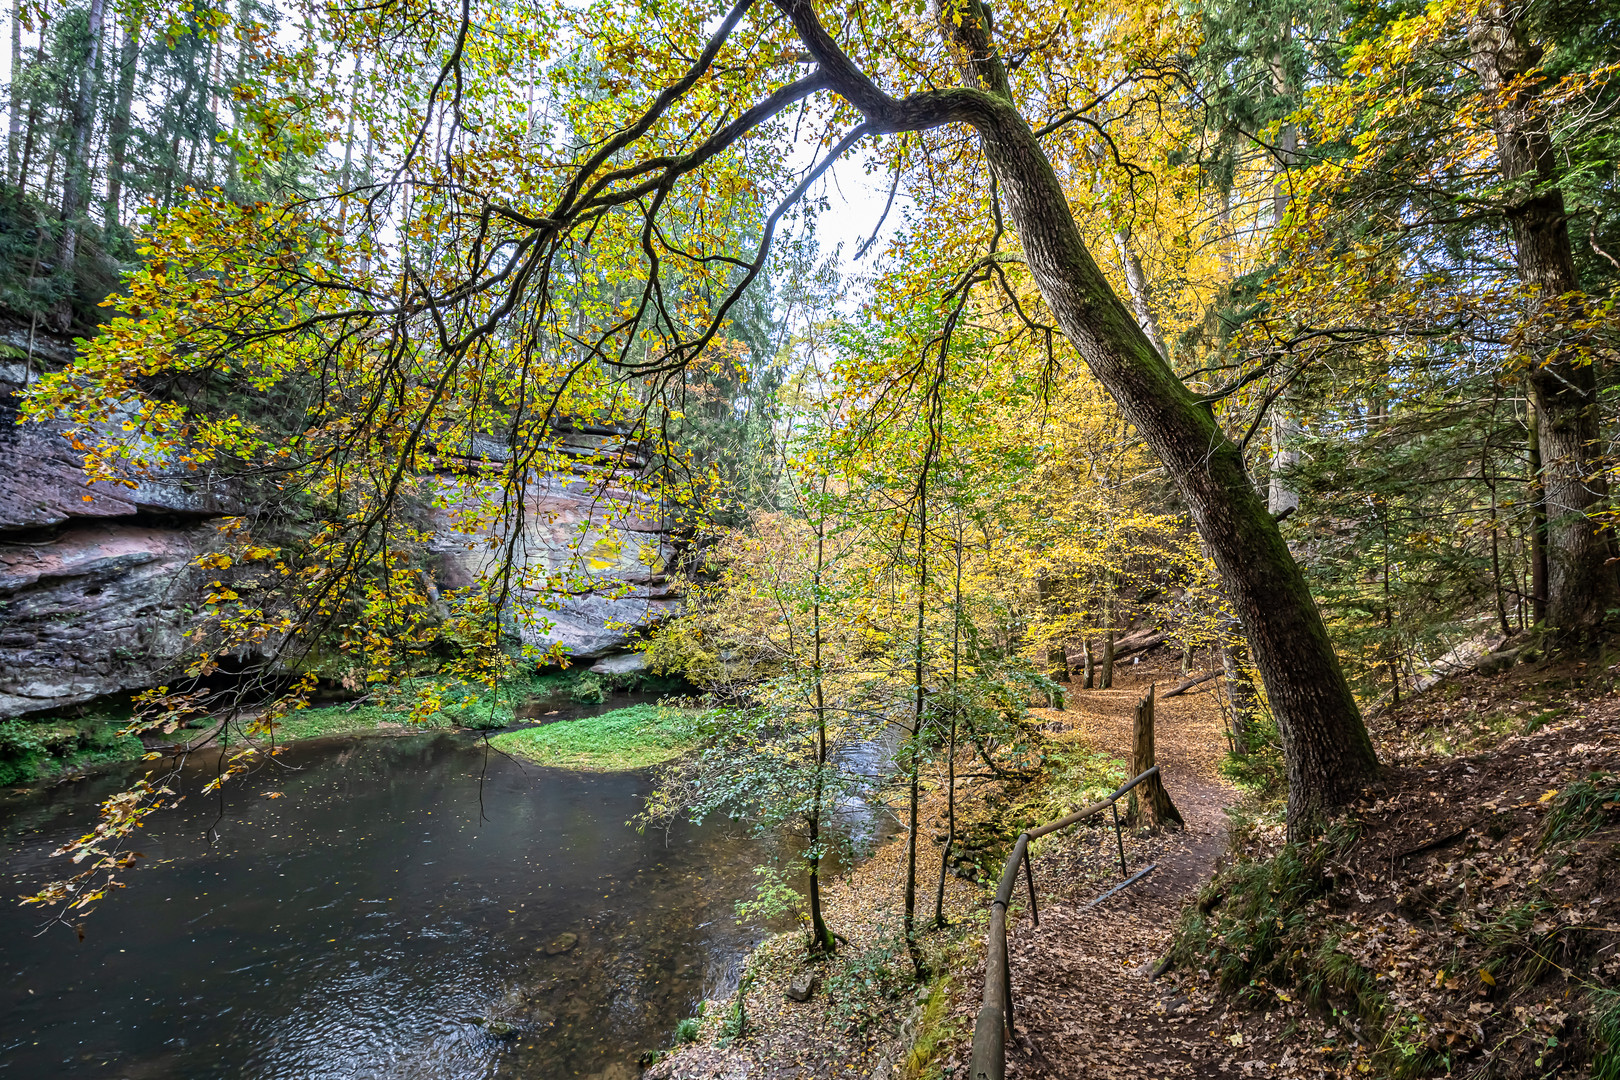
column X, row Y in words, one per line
column 1240, row 692
column 1137, row 284
column 118, row 129
column 1151, row 803
column 1090, row 669
column 950, row 748
column 1281, row 496
column 1538, row 526
column 1057, row 657
column 1330, row 758
column 1581, row 588
column 1105, row 670
column 822, row 937
column 32, row 127
column 76, row 176
column 13, row 104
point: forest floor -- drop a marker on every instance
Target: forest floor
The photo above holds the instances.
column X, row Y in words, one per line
column 1083, row 1003
column 1463, row 920
column 853, row 1029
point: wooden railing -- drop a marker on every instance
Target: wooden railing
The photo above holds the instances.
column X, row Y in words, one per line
column 995, row 1023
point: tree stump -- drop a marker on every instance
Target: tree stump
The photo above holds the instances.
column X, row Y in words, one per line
column 1150, row 802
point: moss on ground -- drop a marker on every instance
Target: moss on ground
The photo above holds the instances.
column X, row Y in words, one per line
column 329, row 720
column 33, row 749
column 37, row 747
column 634, row 738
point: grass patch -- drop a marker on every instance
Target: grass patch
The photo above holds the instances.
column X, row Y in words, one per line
column 1581, row 810
column 459, row 705
column 1606, row 1026
column 938, row 1032
column 633, row 738
column 328, row 720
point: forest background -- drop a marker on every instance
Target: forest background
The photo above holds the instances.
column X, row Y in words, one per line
column 312, row 249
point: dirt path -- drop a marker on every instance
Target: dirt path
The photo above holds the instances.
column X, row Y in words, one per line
column 1083, row 1004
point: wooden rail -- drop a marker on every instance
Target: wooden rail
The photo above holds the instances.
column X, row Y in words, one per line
column 995, row 1023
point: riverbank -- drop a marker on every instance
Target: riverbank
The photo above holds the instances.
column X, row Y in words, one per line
column 52, row 745
column 869, row 1015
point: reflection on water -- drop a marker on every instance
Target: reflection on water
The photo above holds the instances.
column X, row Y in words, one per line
column 388, row 917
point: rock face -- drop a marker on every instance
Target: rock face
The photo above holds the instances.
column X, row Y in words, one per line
column 593, row 553
column 97, row 583
column 95, row 580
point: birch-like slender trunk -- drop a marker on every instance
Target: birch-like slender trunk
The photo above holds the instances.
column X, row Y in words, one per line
column 824, row 940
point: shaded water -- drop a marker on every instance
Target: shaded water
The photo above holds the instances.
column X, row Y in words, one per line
column 362, row 925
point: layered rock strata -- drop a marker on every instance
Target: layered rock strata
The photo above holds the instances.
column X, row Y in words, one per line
column 97, row 582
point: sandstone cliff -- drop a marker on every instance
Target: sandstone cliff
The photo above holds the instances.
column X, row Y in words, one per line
column 97, row 583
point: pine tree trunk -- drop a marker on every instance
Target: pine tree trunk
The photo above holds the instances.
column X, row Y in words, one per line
column 1153, row 808
column 118, row 129
column 1538, row 525
column 14, row 105
column 76, row 176
column 31, row 130
column 1580, row 586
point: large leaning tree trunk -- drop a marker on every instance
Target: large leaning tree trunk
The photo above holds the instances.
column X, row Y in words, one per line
column 1329, row 756
column 1581, row 588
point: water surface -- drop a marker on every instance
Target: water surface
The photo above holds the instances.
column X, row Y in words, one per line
column 400, row 892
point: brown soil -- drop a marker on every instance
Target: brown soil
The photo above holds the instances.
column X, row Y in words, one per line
column 1083, row 1004
column 1483, row 940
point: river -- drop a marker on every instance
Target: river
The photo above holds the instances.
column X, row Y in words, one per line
column 400, row 892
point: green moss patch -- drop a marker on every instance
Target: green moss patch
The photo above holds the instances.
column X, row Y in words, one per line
column 36, row 748
column 634, row 738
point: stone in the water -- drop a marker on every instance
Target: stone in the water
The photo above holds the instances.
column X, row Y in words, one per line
column 802, row 986
column 561, row 944
column 503, row 1030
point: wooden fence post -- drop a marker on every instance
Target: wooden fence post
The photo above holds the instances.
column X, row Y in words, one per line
column 1150, row 800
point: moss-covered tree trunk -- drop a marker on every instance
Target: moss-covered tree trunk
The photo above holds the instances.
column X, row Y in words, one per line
column 1330, row 758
